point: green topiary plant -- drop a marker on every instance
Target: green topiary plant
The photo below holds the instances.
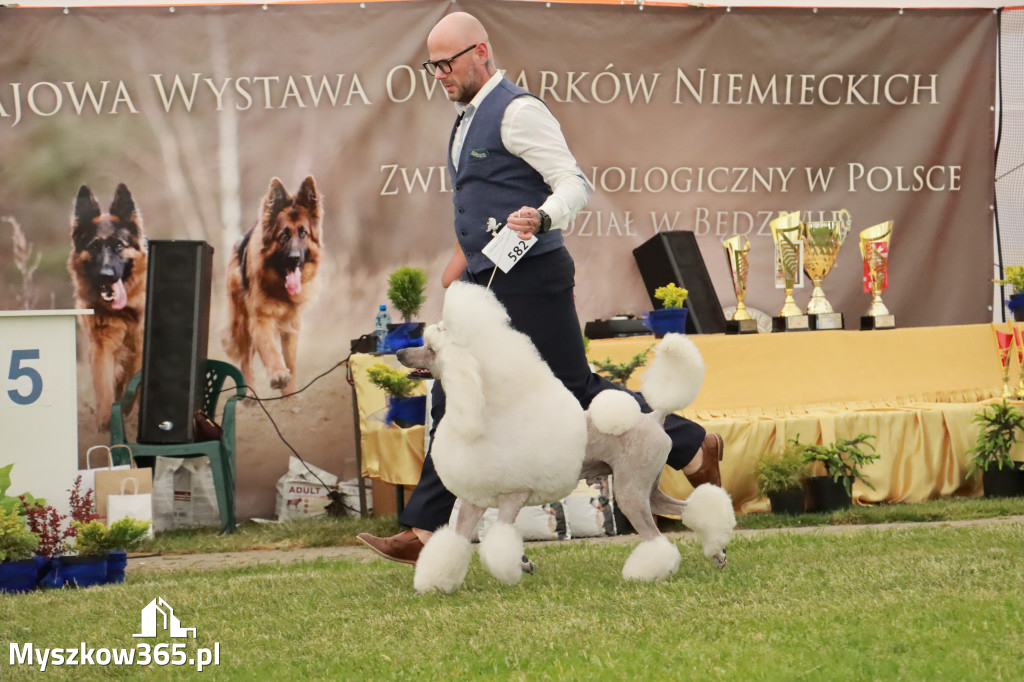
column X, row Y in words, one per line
column 777, row 472
column 17, row 542
column 671, row 296
column 405, row 290
column 95, row 538
column 843, row 459
column 1014, row 277
column 996, row 439
column 619, row 372
column 395, row 383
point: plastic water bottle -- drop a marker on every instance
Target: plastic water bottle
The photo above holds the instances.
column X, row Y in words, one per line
column 381, row 328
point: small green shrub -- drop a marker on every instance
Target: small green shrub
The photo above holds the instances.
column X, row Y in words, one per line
column 96, row 538
column 1014, row 277
column 17, row 542
column 671, row 296
column 405, row 290
column 999, row 425
column 395, row 382
column 844, row 458
column 619, row 372
column 777, row 472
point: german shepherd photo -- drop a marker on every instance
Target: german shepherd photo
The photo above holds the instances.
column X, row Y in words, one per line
column 269, row 280
column 108, row 274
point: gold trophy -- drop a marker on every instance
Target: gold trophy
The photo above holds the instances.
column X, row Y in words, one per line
column 737, row 250
column 822, row 241
column 1004, row 350
column 788, row 252
column 874, row 250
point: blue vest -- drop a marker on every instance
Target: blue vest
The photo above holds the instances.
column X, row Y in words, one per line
column 491, row 182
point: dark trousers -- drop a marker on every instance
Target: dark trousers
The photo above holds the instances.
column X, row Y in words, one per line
column 538, row 296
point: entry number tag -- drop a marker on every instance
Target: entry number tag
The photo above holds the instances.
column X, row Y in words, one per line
column 507, row 249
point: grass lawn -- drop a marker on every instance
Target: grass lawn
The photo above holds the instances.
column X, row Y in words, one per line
column 880, row 603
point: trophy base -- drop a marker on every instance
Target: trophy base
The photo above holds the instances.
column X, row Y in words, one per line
column 823, row 321
column 793, row 323
column 869, row 322
column 741, row 326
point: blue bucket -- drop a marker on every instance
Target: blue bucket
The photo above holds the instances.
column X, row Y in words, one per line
column 407, row 411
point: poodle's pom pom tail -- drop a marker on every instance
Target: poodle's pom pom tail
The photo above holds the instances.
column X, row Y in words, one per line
column 709, row 514
column 652, row 560
column 675, row 375
column 443, row 563
column 614, row 412
column 501, row 552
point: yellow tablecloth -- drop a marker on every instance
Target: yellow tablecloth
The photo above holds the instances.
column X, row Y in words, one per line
column 915, row 389
column 391, row 454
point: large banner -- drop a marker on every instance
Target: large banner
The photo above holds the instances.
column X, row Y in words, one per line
column 681, row 118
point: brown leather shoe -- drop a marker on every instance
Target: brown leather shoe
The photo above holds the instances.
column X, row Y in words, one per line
column 714, row 450
column 404, row 548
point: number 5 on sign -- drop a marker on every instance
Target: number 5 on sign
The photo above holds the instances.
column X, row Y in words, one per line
column 506, row 249
column 21, row 368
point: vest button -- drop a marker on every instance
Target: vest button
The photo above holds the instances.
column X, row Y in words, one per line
column 458, row 188
column 462, row 210
column 465, row 234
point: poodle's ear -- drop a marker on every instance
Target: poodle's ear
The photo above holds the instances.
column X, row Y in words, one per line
column 463, row 388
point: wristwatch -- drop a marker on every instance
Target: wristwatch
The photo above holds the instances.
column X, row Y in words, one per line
column 545, row 222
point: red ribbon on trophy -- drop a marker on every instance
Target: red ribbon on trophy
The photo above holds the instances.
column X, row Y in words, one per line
column 877, row 261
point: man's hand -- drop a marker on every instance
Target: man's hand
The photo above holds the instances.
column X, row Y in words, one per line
column 525, row 221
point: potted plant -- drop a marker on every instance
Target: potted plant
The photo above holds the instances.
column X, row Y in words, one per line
column 780, row 476
column 111, row 543
column 19, row 569
column 404, row 409
column 405, row 291
column 671, row 317
column 619, row 372
column 842, row 461
column 1014, row 278
column 1000, row 475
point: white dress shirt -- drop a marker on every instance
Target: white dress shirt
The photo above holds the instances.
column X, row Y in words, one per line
column 531, row 132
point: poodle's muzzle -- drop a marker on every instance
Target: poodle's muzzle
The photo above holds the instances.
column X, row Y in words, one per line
column 417, row 357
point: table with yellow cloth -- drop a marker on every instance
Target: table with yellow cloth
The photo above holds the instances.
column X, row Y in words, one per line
column 915, row 389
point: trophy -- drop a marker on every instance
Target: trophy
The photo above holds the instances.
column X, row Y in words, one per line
column 822, row 241
column 788, row 254
column 1004, row 350
column 874, row 250
column 737, row 250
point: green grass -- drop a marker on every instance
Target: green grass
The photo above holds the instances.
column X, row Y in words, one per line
column 341, row 531
column 919, row 603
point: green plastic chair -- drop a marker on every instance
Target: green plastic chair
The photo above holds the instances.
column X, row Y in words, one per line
column 221, row 453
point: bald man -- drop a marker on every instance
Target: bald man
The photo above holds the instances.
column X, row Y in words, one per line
column 510, row 164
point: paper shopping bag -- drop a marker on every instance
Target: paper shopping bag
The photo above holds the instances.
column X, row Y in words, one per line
column 131, row 503
column 103, row 460
column 108, row 483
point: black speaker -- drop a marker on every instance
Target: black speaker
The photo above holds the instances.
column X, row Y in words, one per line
column 674, row 257
column 174, row 347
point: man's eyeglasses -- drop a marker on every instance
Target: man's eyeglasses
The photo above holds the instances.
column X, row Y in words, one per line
column 445, row 65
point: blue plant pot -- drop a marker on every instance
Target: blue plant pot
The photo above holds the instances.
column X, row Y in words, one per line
column 117, row 563
column 406, row 412
column 1015, row 305
column 666, row 320
column 75, row 571
column 21, row 576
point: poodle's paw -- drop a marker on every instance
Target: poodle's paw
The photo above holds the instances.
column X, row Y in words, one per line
column 709, row 514
column 501, row 552
column 652, row 560
column 528, row 566
column 443, row 562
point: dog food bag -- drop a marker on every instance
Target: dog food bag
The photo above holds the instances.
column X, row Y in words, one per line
column 300, row 495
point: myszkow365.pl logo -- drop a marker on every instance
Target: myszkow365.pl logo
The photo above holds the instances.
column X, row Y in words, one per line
column 157, row 617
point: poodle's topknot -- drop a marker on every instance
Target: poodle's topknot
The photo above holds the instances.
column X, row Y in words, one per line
column 470, row 307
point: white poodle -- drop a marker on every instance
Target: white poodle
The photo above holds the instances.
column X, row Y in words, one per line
column 513, row 435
